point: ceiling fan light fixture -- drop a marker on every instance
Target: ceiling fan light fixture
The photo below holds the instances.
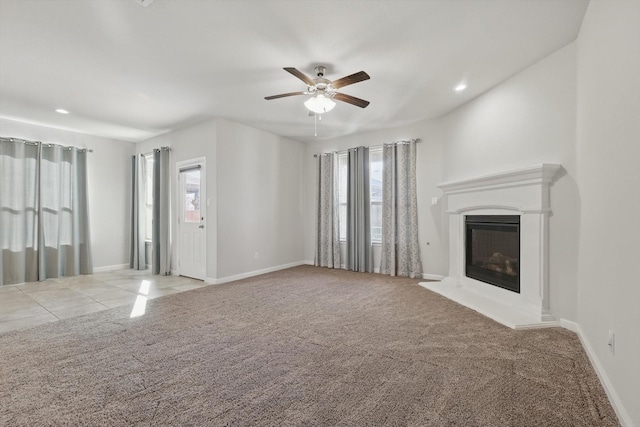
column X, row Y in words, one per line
column 319, row 104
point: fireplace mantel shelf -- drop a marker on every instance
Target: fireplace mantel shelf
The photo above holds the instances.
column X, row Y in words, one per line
column 532, row 175
column 523, row 192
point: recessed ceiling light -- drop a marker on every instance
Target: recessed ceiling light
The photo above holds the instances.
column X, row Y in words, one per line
column 460, row 87
column 61, row 111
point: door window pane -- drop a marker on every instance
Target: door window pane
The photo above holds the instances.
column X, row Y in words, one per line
column 191, row 195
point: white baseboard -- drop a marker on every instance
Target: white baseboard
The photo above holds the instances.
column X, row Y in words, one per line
column 307, row 262
column 623, row 416
column 110, row 268
column 570, row 325
column 227, row 279
column 427, row 276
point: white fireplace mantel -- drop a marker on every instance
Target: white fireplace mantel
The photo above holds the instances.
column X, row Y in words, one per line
column 523, row 192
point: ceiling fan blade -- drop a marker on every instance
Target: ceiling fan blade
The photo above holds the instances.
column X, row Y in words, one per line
column 300, row 75
column 349, row 80
column 351, row 100
column 282, row 95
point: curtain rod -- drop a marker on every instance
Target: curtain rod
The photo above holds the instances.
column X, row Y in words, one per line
column 417, row 140
column 44, row 144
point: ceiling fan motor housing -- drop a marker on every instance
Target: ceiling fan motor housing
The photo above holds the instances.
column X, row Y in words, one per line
column 321, row 84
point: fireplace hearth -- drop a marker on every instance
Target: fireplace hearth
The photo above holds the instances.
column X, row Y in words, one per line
column 493, row 250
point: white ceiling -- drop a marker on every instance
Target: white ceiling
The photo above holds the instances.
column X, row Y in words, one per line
column 130, row 72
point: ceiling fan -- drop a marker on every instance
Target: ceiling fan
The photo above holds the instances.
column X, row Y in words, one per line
column 324, row 91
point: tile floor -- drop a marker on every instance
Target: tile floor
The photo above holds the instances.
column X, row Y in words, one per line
column 34, row 303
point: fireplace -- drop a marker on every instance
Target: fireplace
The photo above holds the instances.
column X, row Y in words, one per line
column 498, row 245
column 492, row 245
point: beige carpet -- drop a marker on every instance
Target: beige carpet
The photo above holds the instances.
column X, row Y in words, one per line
column 304, row 346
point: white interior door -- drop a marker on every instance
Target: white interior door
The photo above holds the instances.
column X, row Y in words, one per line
column 192, row 240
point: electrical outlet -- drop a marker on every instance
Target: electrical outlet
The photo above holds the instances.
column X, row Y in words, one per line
column 612, row 342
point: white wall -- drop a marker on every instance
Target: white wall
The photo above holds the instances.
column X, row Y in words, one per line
column 254, row 183
column 526, row 120
column 109, row 186
column 259, row 200
column 431, row 221
column 608, row 163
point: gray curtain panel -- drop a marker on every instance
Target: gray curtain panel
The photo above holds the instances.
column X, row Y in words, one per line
column 400, row 251
column 328, row 222
column 18, row 211
column 138, row 212
column 64, row 237
column 359, row 254
column 45, row 216
column 161, row 238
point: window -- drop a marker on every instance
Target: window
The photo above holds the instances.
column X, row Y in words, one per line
column 149, row 197
column 375, row 188
column 343, row 165
column 191, row 195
